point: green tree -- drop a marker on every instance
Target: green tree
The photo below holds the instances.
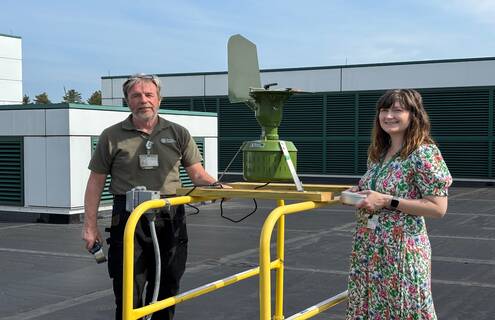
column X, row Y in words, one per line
column 95, row 98
column 25, row 99
column 72, row 96
column 42, row 98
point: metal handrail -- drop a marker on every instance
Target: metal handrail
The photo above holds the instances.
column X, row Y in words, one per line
column 276, row 216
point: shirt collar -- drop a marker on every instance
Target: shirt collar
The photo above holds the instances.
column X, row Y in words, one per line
column 161, row 125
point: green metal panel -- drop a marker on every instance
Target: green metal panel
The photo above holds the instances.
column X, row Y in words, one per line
column 340, row 110
column 491, row 134
column 362, row 156
column 184, row 178
column 237, row 120
column 309, row 155
column 461, row 112
column 206, row 104
column 332, row 130
column 228, row 147
column 174, row 103
column 367, row 106
column 11, row 171
column 302, row 117
column 106, row 196
column 340, row 114
column 467, row 159
column 340, row 157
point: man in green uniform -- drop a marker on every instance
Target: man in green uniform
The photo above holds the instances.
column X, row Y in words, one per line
column 143, row 150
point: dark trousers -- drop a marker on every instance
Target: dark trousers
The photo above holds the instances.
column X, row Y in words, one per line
column 172, row 238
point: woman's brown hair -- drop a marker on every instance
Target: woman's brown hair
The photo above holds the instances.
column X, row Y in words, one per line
column 418, row 132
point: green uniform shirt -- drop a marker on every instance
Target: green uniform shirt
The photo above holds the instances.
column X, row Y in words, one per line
column 120, row 145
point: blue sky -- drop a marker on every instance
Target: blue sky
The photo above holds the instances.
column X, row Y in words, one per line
column 72, row 44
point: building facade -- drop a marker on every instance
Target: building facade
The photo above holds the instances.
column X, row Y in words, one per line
column 45, row 151
column 331, row 123
column 10, row 69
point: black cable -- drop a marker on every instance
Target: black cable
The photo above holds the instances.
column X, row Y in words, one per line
column 236, row 221
column 262, row 186
column 194, row 207
column 214, row 184
column 255, row 207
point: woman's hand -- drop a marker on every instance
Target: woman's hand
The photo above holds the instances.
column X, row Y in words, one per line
column 374, row 201
column 353, row 189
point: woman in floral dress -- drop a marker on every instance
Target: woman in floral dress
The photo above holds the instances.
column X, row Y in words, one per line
column 407, row 180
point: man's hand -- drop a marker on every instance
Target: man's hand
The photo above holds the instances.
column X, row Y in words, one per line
column 90, row 235
column 90, row 232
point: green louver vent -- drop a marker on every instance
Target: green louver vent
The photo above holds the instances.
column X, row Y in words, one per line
column 491, row 173
column 340, row 157
column 309, row 156
column 176, row 103
column 11, row 171
column 367, row 104
column 302, row 116
column 184, row 178
column 106, row 196
column 332, row 130
column 466, row 159
column 237, row 120
column 228, row 150
column 458, row 112
column 340, row 115
column 362, row 156
column 205, row 104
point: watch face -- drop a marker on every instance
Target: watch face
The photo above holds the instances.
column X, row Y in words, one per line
column 394, row 203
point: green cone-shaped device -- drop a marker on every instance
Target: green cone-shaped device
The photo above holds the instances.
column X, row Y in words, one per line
column 263, row 160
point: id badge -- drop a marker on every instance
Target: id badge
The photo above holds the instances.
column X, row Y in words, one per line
column 148, row 161
column 372, row 222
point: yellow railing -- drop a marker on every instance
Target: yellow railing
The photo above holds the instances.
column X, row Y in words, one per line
column 276, row 216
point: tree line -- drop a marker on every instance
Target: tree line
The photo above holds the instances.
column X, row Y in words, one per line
column 70, row 96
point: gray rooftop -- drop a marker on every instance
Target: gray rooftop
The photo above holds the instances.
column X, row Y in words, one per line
column 45, row 272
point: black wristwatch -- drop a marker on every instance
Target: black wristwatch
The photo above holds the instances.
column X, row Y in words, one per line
column 394, row 203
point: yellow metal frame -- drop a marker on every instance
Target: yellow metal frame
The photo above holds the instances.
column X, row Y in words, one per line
column 319, row 196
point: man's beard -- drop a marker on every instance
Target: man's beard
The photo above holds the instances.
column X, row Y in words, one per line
column 145, row 116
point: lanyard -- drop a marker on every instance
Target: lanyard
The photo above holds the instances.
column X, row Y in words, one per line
column 380, row 169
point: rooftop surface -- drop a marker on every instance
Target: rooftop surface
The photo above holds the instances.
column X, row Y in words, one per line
column 46, row 274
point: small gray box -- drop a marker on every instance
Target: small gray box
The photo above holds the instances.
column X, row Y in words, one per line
column 138, row 195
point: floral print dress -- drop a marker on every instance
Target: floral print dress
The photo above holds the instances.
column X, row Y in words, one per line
column 390, row 265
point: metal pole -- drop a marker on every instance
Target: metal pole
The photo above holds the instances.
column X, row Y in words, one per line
column 279, row 289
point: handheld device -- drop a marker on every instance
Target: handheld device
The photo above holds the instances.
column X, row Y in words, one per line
column 351, row 198
column 97, row 251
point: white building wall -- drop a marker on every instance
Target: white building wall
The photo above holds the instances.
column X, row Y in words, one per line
column 430, row 75
column 435, row 74
column 79, row 173
column 215, row 85
column 35, row 172
column 57, row 150
column 10, row 70
column 22, row 122
column 211, row 161
column 58, row 172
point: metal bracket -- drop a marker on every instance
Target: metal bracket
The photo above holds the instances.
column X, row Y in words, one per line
column 292, row 169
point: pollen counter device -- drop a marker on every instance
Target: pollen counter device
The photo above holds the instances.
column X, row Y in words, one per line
column 263, row 159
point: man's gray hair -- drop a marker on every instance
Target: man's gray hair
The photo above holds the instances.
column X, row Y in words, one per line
column 141, row 77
